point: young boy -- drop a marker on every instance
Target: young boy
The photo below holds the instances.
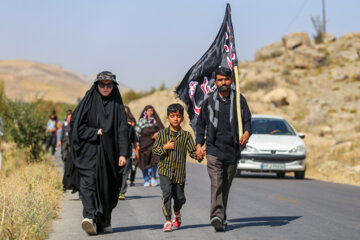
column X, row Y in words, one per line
column 171, row 145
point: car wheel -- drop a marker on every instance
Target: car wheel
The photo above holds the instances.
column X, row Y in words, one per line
column 238, row 173
column 299, row 175
column 280, row 174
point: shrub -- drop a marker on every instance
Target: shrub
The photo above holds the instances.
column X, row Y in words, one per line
column 25, row 125
column 30, row 196
column 132, row 95
column 266, row 84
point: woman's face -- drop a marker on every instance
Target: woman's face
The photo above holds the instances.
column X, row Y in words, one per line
column 150, row 112
column 105, row 87
column 68, row 117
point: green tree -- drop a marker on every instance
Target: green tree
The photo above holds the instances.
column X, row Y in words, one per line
column 25, row 125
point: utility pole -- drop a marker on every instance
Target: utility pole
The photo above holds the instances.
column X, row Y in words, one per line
column 323, row 16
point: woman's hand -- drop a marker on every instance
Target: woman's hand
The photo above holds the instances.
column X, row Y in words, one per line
column 154, row 135
column 122, row 161
column 137, row 152
column 99, row 132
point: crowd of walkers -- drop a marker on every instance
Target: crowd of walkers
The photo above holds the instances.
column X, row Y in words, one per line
column 102, row 145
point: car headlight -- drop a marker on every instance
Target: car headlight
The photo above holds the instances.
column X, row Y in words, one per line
column 250, row 149
column 298, row 149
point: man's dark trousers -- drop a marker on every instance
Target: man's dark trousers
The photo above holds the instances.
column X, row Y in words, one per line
column 171, row 190
column 221, row 176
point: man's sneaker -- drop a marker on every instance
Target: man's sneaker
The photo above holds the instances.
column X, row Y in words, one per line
column 107, row 229
column 89, row 226
column 167, row 227
column 154, row 182
column 217, row 223
column 146, row 184
column 176, row 222
column 122, row 196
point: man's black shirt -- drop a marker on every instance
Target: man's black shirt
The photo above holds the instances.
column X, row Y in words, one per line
column 223, row 141
column 223, row 147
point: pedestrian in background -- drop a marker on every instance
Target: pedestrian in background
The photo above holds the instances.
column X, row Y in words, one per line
column 146, row 130
column 71, row 177
column 51, row 129
column 133, row 145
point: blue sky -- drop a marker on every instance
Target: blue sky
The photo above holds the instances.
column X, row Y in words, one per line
column 148, row 42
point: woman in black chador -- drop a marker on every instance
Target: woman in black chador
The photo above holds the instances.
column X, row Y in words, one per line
column 99, row 148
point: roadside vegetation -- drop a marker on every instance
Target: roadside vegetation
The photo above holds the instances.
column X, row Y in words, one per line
column 30, row 186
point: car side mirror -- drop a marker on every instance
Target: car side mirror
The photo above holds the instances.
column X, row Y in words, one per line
column 301, row 135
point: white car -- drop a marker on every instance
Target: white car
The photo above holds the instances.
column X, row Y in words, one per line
column 274, row 146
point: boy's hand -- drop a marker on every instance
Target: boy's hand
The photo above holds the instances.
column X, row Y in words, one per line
column 170, row 144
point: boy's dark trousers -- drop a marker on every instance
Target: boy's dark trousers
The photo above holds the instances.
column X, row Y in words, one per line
column 171, row 190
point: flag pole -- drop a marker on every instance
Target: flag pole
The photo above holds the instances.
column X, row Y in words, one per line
column 238, row 101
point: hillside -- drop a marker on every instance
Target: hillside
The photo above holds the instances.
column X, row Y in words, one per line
column 26, row 80
column 315, row 87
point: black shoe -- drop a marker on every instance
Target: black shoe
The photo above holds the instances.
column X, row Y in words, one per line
column 226, row 225
column 217, row 223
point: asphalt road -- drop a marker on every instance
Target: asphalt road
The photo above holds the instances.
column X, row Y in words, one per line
column 260, row 207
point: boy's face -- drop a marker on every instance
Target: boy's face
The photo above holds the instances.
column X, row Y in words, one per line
column 175, row 119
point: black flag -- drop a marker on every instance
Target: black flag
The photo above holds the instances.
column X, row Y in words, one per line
column 199, row 80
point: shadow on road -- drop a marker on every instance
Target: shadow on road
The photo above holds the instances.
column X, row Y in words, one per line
column 261, row 221
column 140, row 197
column 233, row 223
column 138, row 227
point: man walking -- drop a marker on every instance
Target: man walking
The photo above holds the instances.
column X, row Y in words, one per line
column 218, row 120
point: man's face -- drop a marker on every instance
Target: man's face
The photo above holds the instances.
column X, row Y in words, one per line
column 150, row 112
column 105, row 87
column 175, row 119
column 223, row 83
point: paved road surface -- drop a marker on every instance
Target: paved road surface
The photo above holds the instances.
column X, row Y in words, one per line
column 260, row 207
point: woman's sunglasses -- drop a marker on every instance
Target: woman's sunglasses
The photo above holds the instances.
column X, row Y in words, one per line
column 108, row 85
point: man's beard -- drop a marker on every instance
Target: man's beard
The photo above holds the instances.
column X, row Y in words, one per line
column 224, row 88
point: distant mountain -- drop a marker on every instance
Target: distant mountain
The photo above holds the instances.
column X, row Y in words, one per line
column 26, row 80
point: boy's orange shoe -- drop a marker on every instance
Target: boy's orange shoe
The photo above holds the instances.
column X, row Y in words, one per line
column 176, row 221
column 167, row 227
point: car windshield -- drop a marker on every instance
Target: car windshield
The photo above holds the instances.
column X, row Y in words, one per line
column 271, row 126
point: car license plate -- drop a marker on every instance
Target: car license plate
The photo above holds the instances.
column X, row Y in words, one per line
column 273, row 166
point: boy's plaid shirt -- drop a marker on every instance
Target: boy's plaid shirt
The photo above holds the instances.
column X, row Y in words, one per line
column 173, row 162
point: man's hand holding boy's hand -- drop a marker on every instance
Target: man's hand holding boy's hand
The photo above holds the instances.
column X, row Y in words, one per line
column 200, row 153
column 170, row 145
